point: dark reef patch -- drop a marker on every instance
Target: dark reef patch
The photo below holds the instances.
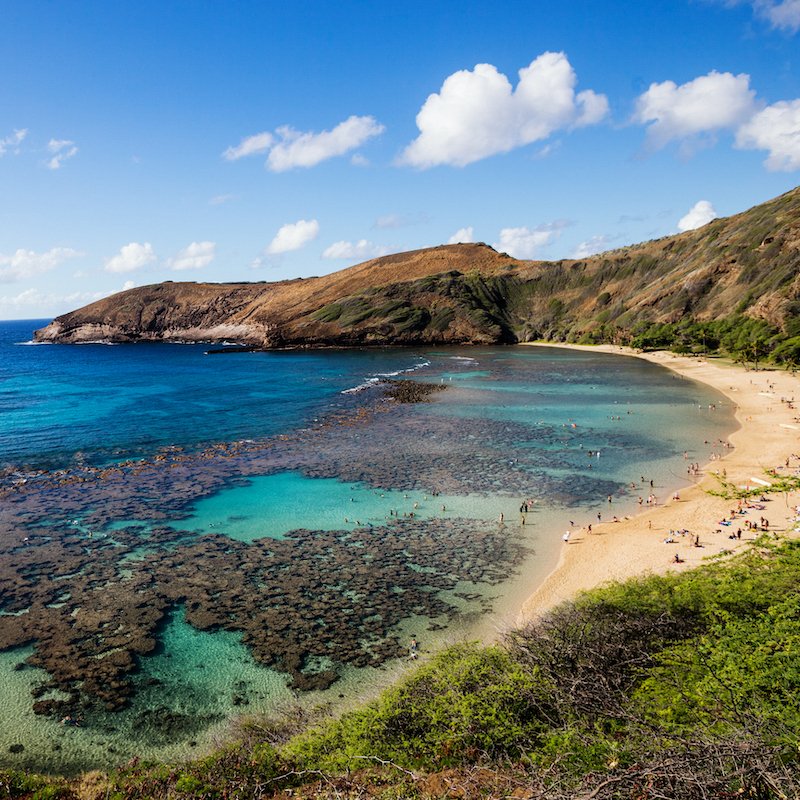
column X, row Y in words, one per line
column 93, row 559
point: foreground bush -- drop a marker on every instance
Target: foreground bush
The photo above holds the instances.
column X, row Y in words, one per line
column 467, row 704
column 680, row 686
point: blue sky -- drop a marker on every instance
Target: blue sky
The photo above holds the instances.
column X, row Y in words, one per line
column 257, row 141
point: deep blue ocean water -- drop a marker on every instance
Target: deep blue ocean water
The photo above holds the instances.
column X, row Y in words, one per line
column 566, row 428
column 108, row 402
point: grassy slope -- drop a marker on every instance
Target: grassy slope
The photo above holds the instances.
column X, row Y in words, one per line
column 735, row 278
column 677, row 686
column 732, row 282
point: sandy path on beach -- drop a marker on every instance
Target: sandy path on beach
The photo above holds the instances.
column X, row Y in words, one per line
column 769, row 434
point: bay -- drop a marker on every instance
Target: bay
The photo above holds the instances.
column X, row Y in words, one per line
column 205, row 500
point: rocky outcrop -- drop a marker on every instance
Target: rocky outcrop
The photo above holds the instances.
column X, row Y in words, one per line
column 470, row 294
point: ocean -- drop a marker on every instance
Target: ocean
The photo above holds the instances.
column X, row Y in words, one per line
column 189, row 538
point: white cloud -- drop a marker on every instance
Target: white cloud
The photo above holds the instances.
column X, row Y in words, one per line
column 33, row 301
column 128, row 285
column 704, row 105
column 299, row 149
column 250, row 145
column 784, row 14
column 776, row 129
column 293, row 236
column 13, row 141
column 23, row 264
column 350, row 250
column 547, row 150
column 597, row 244
column 289, row 148
column 131, row 257
column 196, row 256
column 62, row 149
column 462, row 236
column 701, row 213
column 27, row 297
column 525, row 242
column 477, row 113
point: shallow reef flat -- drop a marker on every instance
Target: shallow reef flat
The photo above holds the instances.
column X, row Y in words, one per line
column 92, row 560
column 377, row 520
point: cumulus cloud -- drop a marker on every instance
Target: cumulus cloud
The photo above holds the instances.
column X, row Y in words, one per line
column 477, row 113
column 28, row 297
column 597, row 244
column 701, row 213
column 720, row 101
column 196, row 256
column 23, row 264
column 250, row 145
column 462, row 236
column 361, row 249
column 289, row 148
column 525, row 242
column 61, row 149
column 13, row 141
column 131, row 257
column 705, row 105
column 299, row 149
column 128, row 285
column 34, row 297
column 293, row 236
column 34, row 301
column 777, row 130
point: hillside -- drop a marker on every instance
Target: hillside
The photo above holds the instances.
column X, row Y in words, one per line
column 739, row 274
column 677, row 686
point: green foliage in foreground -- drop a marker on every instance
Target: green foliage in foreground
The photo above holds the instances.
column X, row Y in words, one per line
column 683, row 685
column 467, row 704
column 694, row 668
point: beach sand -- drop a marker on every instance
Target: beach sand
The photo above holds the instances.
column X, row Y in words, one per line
column 769, row 434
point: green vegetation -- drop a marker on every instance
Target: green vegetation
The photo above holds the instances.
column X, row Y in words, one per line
column 683, row 685
column 466, row 704
column 729, row 288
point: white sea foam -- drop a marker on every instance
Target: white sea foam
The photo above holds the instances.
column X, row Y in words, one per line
column 379, row 375
column 30, row 343
column 361, row 386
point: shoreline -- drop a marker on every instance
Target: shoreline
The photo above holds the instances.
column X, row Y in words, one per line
column 768, row 436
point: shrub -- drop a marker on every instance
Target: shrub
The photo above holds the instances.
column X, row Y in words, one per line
column 466, row 704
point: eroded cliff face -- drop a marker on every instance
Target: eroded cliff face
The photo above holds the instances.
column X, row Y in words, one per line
column 164, row 312
column 282, row 314
column 469, row 293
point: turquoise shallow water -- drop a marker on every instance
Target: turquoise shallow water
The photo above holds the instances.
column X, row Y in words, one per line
column 272, row 505
column 183, row 705
column 296, row 454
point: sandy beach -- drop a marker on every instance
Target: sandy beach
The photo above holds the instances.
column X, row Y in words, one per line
column 768, row 438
